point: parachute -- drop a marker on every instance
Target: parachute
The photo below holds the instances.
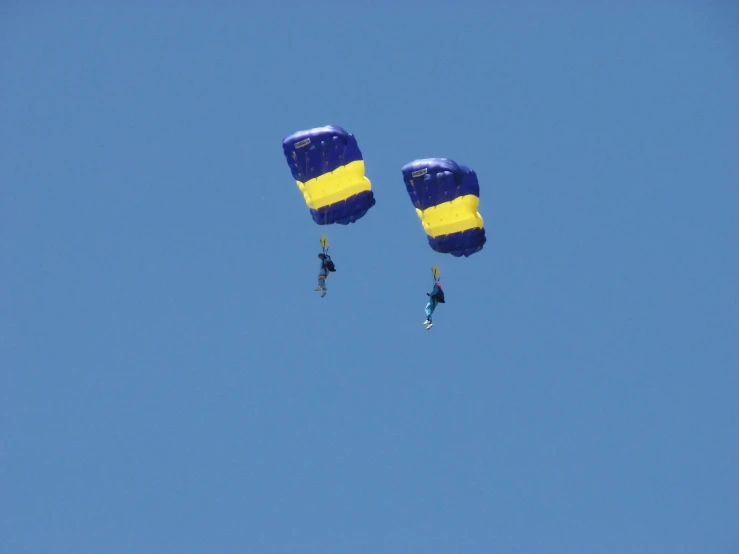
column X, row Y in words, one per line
column 446, row 196
column 328, row 168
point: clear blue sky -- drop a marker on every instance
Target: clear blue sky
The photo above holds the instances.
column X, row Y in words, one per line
column 171, row 383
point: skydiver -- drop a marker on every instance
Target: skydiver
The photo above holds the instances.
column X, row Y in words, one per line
column 435, row 296
column 326, row 265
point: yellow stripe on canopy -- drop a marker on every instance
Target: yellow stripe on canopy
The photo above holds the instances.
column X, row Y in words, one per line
column 340, row 184
column 455, row 216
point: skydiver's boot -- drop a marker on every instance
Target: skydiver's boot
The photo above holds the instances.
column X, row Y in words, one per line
column 429, row 326
column 323, row 293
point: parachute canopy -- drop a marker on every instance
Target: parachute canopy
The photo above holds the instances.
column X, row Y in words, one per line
column 328, row 167
column 446, row 196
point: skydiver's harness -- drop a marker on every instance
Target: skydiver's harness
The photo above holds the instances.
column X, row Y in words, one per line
column 327, row 261
column 439, row 295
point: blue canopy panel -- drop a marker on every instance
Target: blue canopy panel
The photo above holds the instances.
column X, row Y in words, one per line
column 328, row 168
column 446, row 196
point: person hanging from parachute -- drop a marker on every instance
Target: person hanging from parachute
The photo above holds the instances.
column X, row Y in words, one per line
column 446, row 197
column 436, row 296
column 327, row 265
column 329, row 170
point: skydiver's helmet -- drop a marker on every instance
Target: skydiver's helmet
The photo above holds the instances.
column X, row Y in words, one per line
column 322, row 256
column 437, row 284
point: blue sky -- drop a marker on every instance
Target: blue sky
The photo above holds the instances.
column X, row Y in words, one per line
column 172, row 383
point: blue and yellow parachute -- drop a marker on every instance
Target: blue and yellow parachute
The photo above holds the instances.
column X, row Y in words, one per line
column 328, row 167
column 446, row 196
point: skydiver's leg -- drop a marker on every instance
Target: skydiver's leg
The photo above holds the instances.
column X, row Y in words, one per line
column 430, row 307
